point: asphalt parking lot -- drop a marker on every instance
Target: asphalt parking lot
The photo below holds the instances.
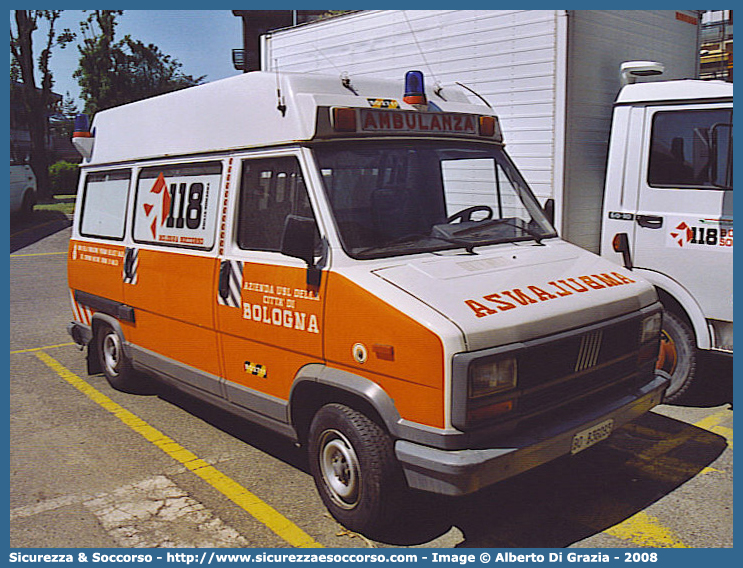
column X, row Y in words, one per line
column 93, row 467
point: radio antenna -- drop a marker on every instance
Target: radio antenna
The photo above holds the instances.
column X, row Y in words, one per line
column 437, row 84
column 282, row 102
column 478, row 95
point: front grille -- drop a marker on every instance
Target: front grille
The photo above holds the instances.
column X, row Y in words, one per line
column 571, row 371
column 588, row 353
column 577, row 354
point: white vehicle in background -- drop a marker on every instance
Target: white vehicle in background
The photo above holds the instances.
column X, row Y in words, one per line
column 668, row 209
column 22, row 189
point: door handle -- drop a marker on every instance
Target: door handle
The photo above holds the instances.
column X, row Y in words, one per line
column 649, row 221
column 224, row 279
column 129, row 263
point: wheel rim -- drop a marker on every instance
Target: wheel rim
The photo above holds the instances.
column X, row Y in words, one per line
column 111, row 353
column 668, row 355
column 340, row 469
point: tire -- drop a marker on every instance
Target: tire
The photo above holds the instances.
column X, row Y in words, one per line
column 355, row 470
column 113, row 361
column 678, row 356
column 27, row 206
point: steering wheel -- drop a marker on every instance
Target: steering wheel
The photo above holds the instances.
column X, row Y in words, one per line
column 466, row 214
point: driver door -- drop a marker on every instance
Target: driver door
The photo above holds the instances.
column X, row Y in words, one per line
column 270, row 321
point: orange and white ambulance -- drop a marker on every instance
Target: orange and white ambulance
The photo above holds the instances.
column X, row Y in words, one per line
column 357, row 265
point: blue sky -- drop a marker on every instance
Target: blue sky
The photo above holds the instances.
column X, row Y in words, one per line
column 202, row 40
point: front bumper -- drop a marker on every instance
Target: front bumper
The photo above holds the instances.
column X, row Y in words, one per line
column 460, row 472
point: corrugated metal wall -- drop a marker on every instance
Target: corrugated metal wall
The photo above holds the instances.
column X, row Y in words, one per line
column 506, row 56
column 598, row 42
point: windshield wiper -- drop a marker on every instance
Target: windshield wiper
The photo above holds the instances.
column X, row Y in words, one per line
column 482, row 225
column 407, row 239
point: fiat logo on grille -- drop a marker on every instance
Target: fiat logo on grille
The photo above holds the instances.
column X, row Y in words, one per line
column 588, row 354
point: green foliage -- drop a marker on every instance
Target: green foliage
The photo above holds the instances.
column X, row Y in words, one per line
column 37, row 99
column 113, row 73
column 63, row 177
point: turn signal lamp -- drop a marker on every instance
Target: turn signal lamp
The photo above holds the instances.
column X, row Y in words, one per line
column 82, row 127
column 650, row 329
column 344, row 119
column 415, row 93
column 476, row 415
column 487, row 126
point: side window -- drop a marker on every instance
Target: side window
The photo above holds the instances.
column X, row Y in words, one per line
column 177, row 205
column 104, row 204
column 691, row 148
column 270, row 190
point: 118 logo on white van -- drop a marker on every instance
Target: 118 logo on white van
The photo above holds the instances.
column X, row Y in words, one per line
column 715, row 235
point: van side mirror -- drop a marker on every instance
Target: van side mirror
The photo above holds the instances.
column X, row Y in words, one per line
column 298, row 240
column 721, row 163
column 620, row 244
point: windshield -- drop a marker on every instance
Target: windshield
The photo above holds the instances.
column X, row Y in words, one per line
column 395, row 198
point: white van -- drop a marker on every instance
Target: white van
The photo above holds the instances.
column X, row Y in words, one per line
column 668, row 212
column 358, row 265
column 22, row 189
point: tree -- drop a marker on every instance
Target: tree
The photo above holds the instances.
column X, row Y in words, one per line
column 113, row 73
column 38, row 101
column 62, row 123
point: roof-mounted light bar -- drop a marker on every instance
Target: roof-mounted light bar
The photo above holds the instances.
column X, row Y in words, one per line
column 415, row 92
column 82, row 127
column 82, row 138
column 373, row 121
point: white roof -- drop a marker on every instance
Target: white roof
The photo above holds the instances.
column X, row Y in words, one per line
column 684, row 90
column 240, row 112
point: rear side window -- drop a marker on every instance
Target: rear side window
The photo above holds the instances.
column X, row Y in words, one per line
column 177, row 205
column 691, row 149
column 270, row 190
column 104, row 204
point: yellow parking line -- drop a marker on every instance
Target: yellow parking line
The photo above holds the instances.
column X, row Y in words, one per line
column 645, row 530
column 712, row 423
column 36, row 254
column 252, row 504
column 34, row 349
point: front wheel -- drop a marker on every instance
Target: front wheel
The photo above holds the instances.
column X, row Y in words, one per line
column 355, row 470
column 678, row 356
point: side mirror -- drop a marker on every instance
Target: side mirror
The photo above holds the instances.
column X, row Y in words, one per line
column 620, row 244
column 298, row 241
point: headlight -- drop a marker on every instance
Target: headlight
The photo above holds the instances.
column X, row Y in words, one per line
column 492, row 376
column 650, row 328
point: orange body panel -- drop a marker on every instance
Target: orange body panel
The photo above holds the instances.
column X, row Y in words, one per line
column 173, row 301
column 191, row 345
column 277, row 329
column 96, row 269
column 279, row 326
column 413, row 376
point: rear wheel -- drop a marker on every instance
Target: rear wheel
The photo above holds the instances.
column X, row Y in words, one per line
column 113, row 361
column 355, row 469
column 678, row 356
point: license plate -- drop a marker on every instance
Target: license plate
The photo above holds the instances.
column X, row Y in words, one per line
column 590, row 436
